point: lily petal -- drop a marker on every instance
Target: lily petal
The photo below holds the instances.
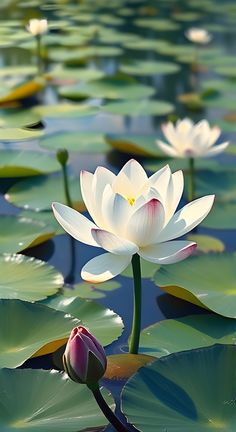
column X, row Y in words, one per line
column 113, row 244
column 167, row 149
column 213, row 151
column 105, row 267
column 130, row 179
column 77, row 225
column 115, row 211
column 169, row 252
column 146, row 223
column 187, row 218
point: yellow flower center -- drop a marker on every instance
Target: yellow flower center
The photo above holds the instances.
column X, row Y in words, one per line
column 131, row 201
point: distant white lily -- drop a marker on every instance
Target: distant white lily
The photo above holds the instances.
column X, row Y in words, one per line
column 132, row 214
column 37, row 26
column 187, row 140
column 198, row 35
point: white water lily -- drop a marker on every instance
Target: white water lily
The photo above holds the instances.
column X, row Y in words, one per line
column 198, row 35
column 190, row 140
column 132, row 214
column 37, row 26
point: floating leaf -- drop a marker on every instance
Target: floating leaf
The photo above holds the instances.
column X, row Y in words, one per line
column 143, row 67
column 206, row 243
column 22, row 163
column 142, row 108
column 183, row 392
column 85, row 142
column 194, row 331
column 18, row 233
column 27, row 278
column 65, row 110
column 45, row 217
column 17, row 134
column 30, row 327
column 109, row 88
column 143, row 145
column 206, row 280
column 58, row 403
column 19, row 118
column 76, row 74
column 91, row 291
column 183, row 164
column 223, row 185
column 222, row 216
column 39, row 193
column 23, row 91
column 156, row 24
column 105, row 324
column 19, row 70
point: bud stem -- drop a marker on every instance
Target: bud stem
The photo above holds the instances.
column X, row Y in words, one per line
column 191, row 184
column 39, row 57
column 111, row 417
column 136, row 325
column 66, row 185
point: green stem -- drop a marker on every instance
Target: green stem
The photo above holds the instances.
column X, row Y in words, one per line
column 136, row 325
column 108, row 413
column 66, row 186
column 38, row 54
column 191, row 184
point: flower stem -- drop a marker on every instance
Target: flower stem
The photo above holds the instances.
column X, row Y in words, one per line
column 66, row 186
column 191, row 185
column 38, row 50
column 111, row 417
column 136, row 325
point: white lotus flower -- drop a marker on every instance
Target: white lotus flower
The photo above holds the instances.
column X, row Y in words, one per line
column 37, row 26
column 198, row 35
column 132, row 214
column 189, row 140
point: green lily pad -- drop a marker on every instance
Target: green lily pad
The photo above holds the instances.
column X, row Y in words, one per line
column 222, row 185
column 18, row 119
column 65, row 110
column 30, row 327
column 148, row 269
column 207, row 280
column 20, row 70
column 105, row 324
column 58, row 403
column 142, row 108
column 143, row 145
column 76, row 56
column 221, row 102
column 76, row 74
column 222, row 216
column 183, row 164
column 184, row 392
column 194, row 331
column 157, row 24
column 39, row 193
column 22, row 163
column 142, row 44
column 109, row 88
column 45, row 217
column 91, row 291
column 17, row 134
column 227, row 70
column 187, row 16
column 143, row 67
column 26, row 278
column 18, row 233
column 85, row 142
column 206, row 243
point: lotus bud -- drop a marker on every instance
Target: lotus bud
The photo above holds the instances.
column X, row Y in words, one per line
column 62, row 156
column 37, row 26
column 198, row 35
column 84, row 358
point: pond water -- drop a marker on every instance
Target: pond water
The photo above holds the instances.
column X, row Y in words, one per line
column 140, row 44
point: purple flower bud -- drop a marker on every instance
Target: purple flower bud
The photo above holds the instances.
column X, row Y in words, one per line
column 84, row 358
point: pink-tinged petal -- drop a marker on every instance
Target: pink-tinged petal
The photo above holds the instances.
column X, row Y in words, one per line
column 160, row 181
column 187, row 218
column 174, row 194
column 214, row 151
column 76, row 355
column 113, row 244
column 105, row 267
column 145, row 224
column 167, row 149
column 169, row 252
column 115, row 211
column 74, row 223
column 130, row 179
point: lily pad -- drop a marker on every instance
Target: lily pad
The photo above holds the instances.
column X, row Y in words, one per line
column 183, row 164
column 184, row 392
column 223, row 185
column 45, row 217
column 76, row 74
column 109, row 88
column 194, row 331
column 22, row 163
column 143, row 145
column 17, row 134
column 140, row 109
column 91, row 291
column 58, row 403
column 23, row 91
column 18, row 233
column 85, row 142
column 30, row 327
column 20, row 70
column 227, row 70
column 144, row 68
column 157, row 24
column 206, row 280
column 39, row 193
column 65, row 110
column 26, row 278
column 19, row 118
column 206, row 243
column 105, row 324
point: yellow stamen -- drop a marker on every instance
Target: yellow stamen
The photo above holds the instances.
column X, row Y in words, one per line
column 131, row 201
